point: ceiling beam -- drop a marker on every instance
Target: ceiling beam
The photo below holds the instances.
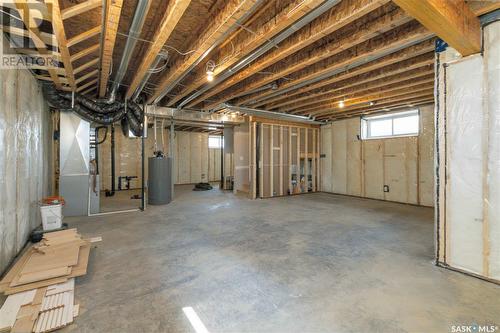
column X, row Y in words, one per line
column 286, row 17
column 397, row 81
column 85, row 52
column 389, row 42
column 86, row 65
column 451, row 20
column 84, row 36
column 378, row 99
column 46, row 38
column 411, row 103
column 222, row 24
column 305, row 58
column 113, row 13
column 85, row 92
column 58, row 27
column 86, row 85
column 87, row 76
column 34, row 34
column 80, row 8
column 397, row 61
column 339, row 16
column 172, row 16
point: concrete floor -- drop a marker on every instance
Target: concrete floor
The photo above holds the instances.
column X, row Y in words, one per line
column 309, row 263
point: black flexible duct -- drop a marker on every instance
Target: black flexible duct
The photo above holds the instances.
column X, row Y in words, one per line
column 130, row 114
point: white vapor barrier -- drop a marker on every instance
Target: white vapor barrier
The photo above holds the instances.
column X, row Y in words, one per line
column 492, row 201
column 25, row 152
column 464, row 192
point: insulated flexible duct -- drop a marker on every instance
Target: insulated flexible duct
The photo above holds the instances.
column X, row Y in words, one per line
column 130, row 114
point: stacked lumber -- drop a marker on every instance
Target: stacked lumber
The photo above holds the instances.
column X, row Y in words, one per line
column 41, row 283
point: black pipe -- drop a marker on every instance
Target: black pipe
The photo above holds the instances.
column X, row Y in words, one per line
column 112, row 192
column 97, row 143
column 143, row 200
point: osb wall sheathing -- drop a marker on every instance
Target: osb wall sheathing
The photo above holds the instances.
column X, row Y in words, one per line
column 25, row 152
column 194, row 162
column 362, row 167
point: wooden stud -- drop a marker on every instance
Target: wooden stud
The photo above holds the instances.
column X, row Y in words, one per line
column 254, row 159
column 261, row 161
column 314, row 160
column 84, row 36
column 298, row 159
column 113, row 13
column 281, row 161
column 290, row 187
column 172, row 16
column 271, row 160
column 452, row 20
column 85, row 52
column 80, row 8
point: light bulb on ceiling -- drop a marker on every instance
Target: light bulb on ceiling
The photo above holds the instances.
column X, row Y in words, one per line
column 372, row 103
column 341, row 104
column 210, row 76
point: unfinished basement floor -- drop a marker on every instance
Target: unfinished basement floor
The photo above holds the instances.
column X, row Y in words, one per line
column 308, row 263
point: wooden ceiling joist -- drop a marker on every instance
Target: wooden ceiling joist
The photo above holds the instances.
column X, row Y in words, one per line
column 303, row 59
column 34, row 34
column 363, row 81
column 58, row 27
column 451, row 20
column 80, row 8
column 411, row 57
column 172, row 16
column 389, row 42
column 113, row 13
column 86, row 85
column 86, row 65
column 400, row 80
column 87, row 76
column 339, row 16
column 84, row 36
column 364, row 101
column 290, row 14
column 85, row 52
column 85, row 92
column 46, row 38
column 409, row 101
column 401, row 105
column 221, row 24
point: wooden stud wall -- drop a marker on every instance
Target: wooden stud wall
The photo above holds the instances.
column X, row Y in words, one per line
column 282, row 150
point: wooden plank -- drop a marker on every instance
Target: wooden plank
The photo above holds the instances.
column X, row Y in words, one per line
column 225, row 19
column 172, row 15
column 84, row 36
column 271, row 161
column 452, row 20
column 408, row 58
column 80, row 8
column 44, row 37
column 86, row 65
column 281, row 161
column 11, row 306
column 87, row 76
column 339, row 16
column 113, row 13
column 34, row 33
column 286, row 17
column 85, row 52
column 308, row 58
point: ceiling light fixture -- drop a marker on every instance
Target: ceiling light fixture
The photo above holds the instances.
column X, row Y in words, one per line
column 210, row 70
column 372, row 103
column 341, row 104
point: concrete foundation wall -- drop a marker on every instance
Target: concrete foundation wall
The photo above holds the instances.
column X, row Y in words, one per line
column 362, row 167
column 25, row 155
column 194, row 162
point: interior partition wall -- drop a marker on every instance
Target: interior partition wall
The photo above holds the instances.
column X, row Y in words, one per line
column 284, row 158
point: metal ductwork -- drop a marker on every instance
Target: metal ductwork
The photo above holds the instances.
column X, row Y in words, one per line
column 272, row 114
column 327, row 5
column 133, row 35
column 103, row 113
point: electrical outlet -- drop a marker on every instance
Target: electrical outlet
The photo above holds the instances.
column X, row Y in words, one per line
column 386, row 188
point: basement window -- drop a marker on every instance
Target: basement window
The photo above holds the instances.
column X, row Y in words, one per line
column 390, row 125
column 215, row 142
